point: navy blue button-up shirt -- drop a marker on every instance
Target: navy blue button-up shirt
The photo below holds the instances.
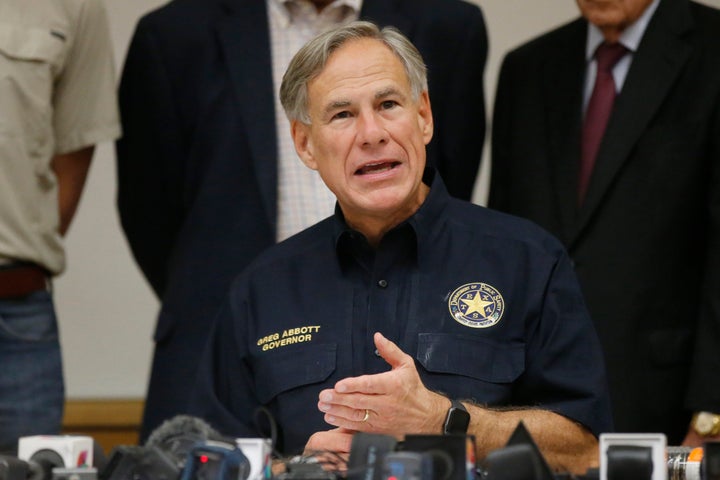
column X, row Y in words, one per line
column 487, row 304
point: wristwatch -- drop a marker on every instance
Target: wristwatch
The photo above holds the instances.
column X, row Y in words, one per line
column 706, row 424
column 457, row 419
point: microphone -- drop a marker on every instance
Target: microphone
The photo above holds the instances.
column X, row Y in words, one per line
column 199, row 451
column 451, row 456
column 428, row 465
column 42, row 463
column 177, row 436
column 216, row 460
column 139, row 463
column 57, row 457
column 165, row 453
column 367, row 452
column 520, row 459
column 12, row 468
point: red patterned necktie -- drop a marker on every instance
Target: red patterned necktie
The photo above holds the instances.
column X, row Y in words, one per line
column 598, row 111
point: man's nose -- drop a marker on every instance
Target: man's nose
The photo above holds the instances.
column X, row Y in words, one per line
column 371, row 130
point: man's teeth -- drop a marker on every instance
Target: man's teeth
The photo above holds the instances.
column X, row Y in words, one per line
column 376, row 168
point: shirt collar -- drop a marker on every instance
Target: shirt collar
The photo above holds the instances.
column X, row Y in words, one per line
column 630, row 37
column 284, row 14
column 424, row 222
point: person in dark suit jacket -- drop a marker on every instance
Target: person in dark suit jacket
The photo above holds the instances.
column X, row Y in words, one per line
column 197, row 165
column 646, row 239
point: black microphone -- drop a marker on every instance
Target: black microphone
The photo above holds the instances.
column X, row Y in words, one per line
column 139, row 463
column 367, row 452
column 164, row 454
column 177, row 436
column 216, row 460
column 520, row 459
column 451, row 456
column 427, row 465
column 12, row 468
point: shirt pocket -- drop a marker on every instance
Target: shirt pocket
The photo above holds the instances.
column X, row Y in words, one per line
column 489, row 367
column 292, row 368
column 32, row 44
column 29, row 60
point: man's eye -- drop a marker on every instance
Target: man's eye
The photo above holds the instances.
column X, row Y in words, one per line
column 340, row 115
column 388, row 104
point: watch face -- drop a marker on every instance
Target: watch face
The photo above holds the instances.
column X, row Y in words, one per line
column 704, row 423
column 457, row 420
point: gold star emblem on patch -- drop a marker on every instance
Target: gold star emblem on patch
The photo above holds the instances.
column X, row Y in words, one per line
column 476, row 304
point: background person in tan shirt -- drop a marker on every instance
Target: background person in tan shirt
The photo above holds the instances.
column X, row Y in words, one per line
column 57, row 98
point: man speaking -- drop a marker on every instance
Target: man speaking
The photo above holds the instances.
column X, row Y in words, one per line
column 359, row 322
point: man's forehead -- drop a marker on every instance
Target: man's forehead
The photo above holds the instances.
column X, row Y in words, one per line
column 358, row 53
column 361, row 61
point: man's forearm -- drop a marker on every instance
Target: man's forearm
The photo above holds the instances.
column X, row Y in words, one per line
column 565, row 445
column 71, row 171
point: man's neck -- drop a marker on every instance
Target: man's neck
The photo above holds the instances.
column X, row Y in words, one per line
column 374, row 228
column 612, row 35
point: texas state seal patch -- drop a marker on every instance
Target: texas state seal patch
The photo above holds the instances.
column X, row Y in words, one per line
column 476, row 305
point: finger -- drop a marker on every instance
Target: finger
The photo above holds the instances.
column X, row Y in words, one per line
column 357, row 421
column 326, row 395
column 340, row 415
column 374, row 384
column 337, row 440
column 390, row 352
column 332, row 399
column 346, row 390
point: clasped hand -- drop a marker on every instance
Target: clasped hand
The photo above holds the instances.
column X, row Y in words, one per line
column 393, row 403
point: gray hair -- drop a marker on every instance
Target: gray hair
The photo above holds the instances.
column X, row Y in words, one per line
column 309, row 62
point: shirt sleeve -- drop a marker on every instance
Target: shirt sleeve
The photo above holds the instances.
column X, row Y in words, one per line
column 84, row 99
column 565, row 364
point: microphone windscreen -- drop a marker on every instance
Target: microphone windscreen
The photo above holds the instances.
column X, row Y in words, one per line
column 178, row 435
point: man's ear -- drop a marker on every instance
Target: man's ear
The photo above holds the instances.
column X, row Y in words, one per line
column 425, row 117
column 303, row 144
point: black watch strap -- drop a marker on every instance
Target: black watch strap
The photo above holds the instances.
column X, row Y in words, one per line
column 457, row 419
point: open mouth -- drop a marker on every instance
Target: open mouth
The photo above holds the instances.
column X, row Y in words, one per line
column 378, row 167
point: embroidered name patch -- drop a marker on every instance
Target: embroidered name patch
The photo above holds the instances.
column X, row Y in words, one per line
column 289, row 336
column 476, row 305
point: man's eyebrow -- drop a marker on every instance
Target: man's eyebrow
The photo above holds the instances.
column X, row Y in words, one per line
column 379, row 95
column 336, row 104
column 387, row 92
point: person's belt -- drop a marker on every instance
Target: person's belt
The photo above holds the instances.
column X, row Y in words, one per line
column 19, row 280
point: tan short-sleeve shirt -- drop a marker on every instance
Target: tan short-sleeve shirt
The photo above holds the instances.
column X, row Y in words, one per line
column 57, row 95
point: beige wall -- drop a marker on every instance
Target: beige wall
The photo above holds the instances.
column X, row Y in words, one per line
column 105, row 307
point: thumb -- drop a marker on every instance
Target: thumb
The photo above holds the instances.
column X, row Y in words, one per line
column 390, row 352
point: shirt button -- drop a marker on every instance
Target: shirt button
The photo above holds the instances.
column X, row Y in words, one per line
column 382, row 283
column 377, row 354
